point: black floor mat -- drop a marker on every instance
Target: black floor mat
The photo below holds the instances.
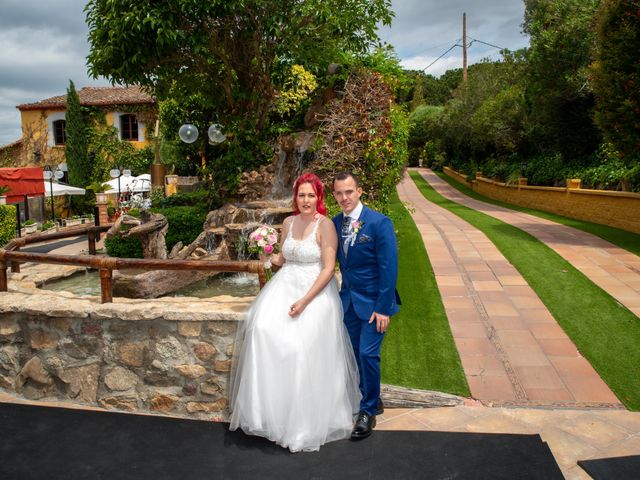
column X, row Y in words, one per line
column 618, row 468
column 56, row 443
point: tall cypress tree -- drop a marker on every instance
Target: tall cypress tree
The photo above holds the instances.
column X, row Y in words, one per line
column 76, row 151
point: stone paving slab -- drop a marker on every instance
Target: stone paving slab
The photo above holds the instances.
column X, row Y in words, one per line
column 612, row 268
column 512, row 350
column 572, row 435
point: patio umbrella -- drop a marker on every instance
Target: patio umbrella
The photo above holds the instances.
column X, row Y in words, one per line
column 141, row 183
column 60, row 189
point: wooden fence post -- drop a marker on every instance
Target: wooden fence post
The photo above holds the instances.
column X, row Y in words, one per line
column 106, row 285
column 91, row 235
column 4, row 284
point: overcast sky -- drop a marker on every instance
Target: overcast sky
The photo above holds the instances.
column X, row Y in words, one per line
column 43, row 44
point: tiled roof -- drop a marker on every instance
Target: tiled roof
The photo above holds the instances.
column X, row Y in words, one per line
column 96, row 96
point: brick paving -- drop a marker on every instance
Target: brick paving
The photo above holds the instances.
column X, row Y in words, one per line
column 512, row 350
column 571, row 434
column 612, row 268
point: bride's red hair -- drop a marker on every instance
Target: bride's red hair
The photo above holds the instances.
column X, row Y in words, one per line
column 318, row 188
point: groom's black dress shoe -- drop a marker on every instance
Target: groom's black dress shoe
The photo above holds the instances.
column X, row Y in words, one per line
column 380, row 407
column 363, row 426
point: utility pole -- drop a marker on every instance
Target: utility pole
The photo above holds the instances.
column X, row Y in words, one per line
column 464, row 47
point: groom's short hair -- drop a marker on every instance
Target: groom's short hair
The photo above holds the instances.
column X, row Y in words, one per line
column 345, row 175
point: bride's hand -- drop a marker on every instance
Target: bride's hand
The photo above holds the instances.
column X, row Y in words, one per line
column 297, row 308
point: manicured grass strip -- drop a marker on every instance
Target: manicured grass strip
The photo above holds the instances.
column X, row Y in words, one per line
column 418, row 350
column 605, row 332
column 628, row 240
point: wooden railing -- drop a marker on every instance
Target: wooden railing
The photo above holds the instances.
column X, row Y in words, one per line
column 11, row 254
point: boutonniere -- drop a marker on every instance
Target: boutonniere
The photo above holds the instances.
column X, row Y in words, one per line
column 356, row 226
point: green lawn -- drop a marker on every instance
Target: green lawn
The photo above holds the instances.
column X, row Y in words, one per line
column 605, row 332
column 623, row 239
column 418, row 350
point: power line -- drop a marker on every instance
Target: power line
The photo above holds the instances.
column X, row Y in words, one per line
column 458, row 45
column 485, row 43
column 450, row 48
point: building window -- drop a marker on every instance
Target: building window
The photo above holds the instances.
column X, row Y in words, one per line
column 59, row 134
column 129, row 127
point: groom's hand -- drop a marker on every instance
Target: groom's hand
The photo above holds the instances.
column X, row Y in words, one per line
column 382, row 321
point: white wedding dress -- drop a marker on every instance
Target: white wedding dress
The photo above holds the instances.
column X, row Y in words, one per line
column 295, row 379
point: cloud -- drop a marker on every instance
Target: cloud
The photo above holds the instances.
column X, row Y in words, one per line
column 423, row 30
column 43, row 44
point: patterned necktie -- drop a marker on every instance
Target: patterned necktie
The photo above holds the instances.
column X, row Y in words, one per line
column 346, row 231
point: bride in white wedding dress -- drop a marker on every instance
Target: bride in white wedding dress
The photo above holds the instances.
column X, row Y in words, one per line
column 295, row 378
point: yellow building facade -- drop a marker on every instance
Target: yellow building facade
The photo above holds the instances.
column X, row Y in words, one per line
column 129, row 110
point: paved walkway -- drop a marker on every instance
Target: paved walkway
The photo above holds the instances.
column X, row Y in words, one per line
column 572, row 435
column 612, row 268
column 512, row 350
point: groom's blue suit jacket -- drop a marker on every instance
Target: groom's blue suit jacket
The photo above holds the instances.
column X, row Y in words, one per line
column 370, row 268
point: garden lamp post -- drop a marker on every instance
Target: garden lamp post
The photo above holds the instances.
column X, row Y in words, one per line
column 523, row 168
column 48, row 175
column 117, row 173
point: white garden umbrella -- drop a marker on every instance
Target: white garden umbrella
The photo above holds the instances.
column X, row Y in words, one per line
column 141, row 183
column 60, row 189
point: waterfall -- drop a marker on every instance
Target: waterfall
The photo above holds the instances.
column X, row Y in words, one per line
column 278, row 186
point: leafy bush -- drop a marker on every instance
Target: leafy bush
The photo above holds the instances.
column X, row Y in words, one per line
column 609, row 172
column 123, row 247
column 8, row 223
column 422, row 123
column 185, row 223
column 204, row 198
column 547, row 170
column 498, row 169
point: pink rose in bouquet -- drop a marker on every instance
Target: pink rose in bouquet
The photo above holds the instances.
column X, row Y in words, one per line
column 264, row 241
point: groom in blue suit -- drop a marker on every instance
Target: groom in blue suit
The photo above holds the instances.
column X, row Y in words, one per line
column 368, row 257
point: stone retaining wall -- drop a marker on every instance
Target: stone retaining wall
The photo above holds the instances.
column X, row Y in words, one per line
column 167, row 356
column 616, row 209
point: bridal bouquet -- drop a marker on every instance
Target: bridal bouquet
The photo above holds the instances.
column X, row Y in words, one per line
column 264, row 241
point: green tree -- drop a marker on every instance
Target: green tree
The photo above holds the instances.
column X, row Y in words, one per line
column 418, row 98
column 233, row 54
column 558, row 89
column 75, row 149
column 616, row 76
column 423, row 126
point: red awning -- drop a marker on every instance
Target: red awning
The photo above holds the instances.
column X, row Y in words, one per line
column 22, row 181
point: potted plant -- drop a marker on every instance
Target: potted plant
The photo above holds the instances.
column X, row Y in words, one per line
column 30, row 226
column 48, row 227
column 98, row 189
column 72, row 221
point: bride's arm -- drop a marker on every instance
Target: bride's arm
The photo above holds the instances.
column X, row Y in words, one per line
column 328, row 240
column 278, row 258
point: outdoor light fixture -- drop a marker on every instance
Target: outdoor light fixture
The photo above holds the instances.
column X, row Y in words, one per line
column 215, row 134
column 48, row 175
column 188, row 133
column 117, row 173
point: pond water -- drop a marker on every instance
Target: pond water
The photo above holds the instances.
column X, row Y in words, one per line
column 236, row 284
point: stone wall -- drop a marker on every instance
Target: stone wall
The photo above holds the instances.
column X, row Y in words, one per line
column 166, row 356
column 616, row 209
